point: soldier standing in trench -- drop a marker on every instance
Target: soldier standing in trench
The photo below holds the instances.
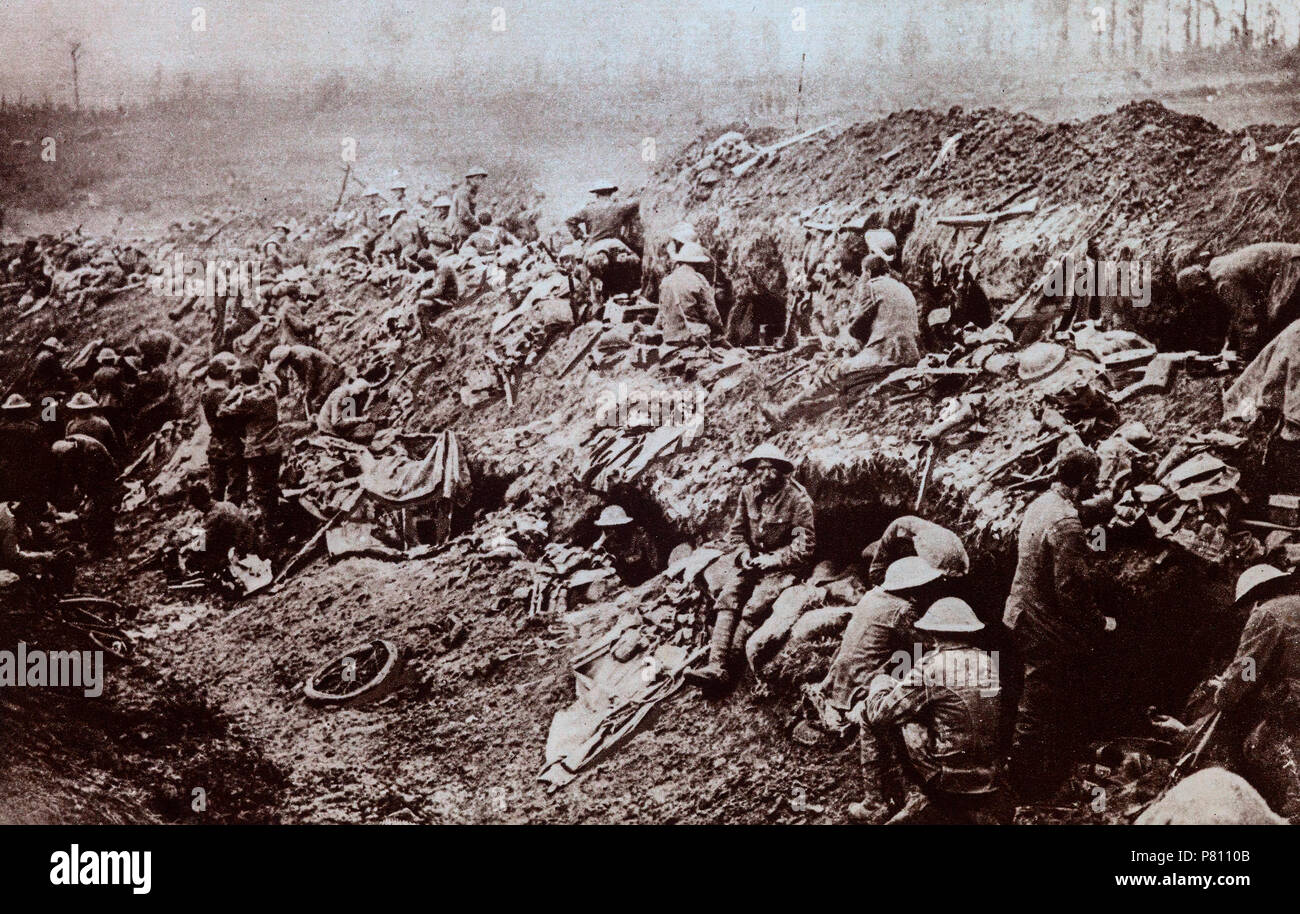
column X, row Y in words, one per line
column 1055, row 625
column 255, row 401
column 774, row 529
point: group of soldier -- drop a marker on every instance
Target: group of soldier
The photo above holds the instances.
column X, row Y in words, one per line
column 960, row 719
column 65, row 436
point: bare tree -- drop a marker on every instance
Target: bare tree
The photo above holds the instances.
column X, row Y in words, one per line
column 74, row 51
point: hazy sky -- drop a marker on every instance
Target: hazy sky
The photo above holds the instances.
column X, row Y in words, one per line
column 283, row 42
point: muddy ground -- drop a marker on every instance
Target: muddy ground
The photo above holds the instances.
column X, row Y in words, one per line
column 213, row 701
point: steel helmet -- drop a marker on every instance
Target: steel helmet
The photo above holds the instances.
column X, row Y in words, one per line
column 1255, row 576
column 1038, row 360
column 106, row 356
column 397, row 185
column 16, row 402
column 476, row 172
column 949, row 614
column 882, row 243
column 442, row 202
column 912, row 571
column 53, row 344
column 768, row 451
column 613, row 516
column 683, row 232
column 82, row 401
column 603, row 187
column 691, row 252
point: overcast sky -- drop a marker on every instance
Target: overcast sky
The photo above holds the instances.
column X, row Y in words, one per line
column 283, row 42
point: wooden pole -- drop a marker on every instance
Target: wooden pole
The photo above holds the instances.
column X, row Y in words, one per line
column 347, row 173
column 798, row 97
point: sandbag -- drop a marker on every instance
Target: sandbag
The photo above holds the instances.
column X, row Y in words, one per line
column 786, row 611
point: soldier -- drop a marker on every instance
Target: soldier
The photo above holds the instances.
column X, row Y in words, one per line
column 879, row 631
column 1055, row 625
column 435, row 294
column 1259, row 691
column 155, row 390
column 49, row 378
column 86, row 419
column 686, row 305
column 434, row 226
column 909, row 535
column 404, row 230
column 318, row 373
column 1252, row 287
column 489, row 238
column 295, row 328
column 344, row 410
column 225, row 527
column 86, row 473
column 24, row 467
column 13, row 557
column 255, row 401
column 227, row 470
column 631, row 551
column 888, row 327
column 462, row 218
column 604, row 218
column 948, row 707
column 109, row 386
column 775, row 531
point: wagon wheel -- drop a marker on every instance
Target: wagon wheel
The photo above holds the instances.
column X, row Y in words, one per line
column 113, row 641
column 366, row 671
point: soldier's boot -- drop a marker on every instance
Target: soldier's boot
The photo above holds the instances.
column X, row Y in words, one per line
column 744, row 629
column 715, row 674
column 883, row 791
column 874, row 808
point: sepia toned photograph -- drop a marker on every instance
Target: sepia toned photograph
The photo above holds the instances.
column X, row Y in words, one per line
column 716, row 412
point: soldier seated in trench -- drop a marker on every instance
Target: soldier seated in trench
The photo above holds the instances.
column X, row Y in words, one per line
column 774, row 532
column 888, row 327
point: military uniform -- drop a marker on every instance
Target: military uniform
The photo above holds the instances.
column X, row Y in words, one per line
column 226, row 467
column 462, row 218
column 603, row 219
column 88, row 471
column 258, row 406
column 1261, row 692
column 780, row 524
column 317, row 372
column 1055, row 625
column 908, row 535
column 949, row 706
column 685, row 298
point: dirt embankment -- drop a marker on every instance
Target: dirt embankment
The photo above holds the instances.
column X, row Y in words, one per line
column 462, row 739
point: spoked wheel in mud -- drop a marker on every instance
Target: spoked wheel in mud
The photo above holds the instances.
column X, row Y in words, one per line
column 77, row 613
column 363, row 673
